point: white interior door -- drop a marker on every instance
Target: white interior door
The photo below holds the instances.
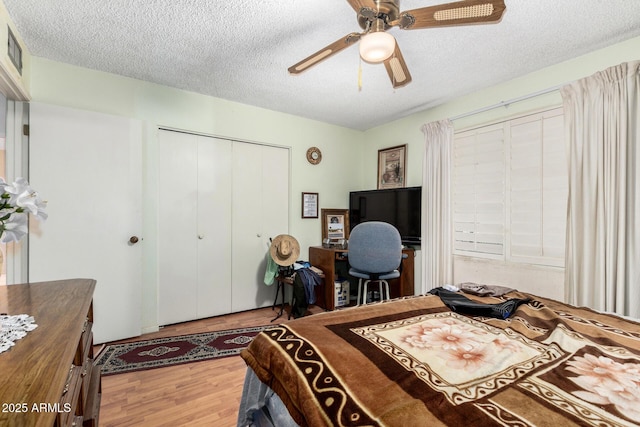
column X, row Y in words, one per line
column 88, row 166
column 214, row 227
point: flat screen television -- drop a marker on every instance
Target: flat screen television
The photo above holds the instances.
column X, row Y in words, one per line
column 400, row 207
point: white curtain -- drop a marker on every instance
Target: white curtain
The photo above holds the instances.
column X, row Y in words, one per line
column 437, row 257
column 602, row 116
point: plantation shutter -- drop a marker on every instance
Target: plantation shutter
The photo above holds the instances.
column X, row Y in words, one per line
column 478, row 199
column 510, row 190
column 538, row 189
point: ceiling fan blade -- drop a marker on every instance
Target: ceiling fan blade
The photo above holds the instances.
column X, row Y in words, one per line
column 397, row 69
column 359, row 4
column 324, row 53
column 457, row 13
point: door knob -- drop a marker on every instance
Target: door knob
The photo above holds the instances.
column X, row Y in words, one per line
column 133, row 240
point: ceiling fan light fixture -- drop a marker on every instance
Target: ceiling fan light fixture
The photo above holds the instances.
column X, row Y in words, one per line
column 377, row 46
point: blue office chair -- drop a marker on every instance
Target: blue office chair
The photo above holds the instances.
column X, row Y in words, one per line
column 375, row 255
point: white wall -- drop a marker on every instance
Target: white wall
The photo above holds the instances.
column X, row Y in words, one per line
column 156, row 105
column 543, row 281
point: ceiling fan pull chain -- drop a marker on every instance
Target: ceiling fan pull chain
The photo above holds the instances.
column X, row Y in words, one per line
column 360, row 76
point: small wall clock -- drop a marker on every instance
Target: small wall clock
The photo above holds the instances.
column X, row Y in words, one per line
column 314, row 156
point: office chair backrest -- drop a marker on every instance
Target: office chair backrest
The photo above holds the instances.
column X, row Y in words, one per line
column 375, row 247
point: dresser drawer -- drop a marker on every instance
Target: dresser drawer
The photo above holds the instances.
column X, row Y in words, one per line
column 68, row 406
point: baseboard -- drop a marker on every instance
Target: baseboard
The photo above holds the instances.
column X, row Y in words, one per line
column 150, row 329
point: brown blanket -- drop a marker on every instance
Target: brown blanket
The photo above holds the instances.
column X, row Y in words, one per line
column 412, row 362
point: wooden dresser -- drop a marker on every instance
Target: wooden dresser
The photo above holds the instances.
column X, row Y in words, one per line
column 48, row 377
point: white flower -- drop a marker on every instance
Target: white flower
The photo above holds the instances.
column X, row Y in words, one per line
column 15, row 228
column 17, row 200
column 32, row 203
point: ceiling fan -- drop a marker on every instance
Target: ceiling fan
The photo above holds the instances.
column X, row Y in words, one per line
column 377, row 16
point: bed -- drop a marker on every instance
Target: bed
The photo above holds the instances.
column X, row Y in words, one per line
column 416, row 362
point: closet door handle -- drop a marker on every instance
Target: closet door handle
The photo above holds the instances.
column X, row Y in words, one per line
column 133, row 240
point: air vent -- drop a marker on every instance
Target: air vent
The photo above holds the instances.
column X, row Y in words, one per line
column 15, row 52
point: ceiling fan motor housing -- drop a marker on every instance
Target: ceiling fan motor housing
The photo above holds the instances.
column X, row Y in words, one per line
column 385, row 12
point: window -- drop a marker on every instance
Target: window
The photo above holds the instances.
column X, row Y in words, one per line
column 15, row 51
column 510, row 190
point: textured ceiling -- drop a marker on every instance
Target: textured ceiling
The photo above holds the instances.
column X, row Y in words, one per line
column 240, row 50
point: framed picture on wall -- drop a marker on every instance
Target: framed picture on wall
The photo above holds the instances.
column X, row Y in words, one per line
column 392, row 171
column 309, row 205
column 335, row 224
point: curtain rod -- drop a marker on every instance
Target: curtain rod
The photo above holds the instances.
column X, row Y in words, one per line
column 506, row 103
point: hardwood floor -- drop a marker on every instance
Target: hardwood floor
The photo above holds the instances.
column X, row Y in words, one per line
column 194, row 394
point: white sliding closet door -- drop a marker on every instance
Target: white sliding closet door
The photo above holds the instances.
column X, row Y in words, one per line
column 214, row 227
column 219, row 203
column 260, row 212
column 89, row 167
column 194, row 223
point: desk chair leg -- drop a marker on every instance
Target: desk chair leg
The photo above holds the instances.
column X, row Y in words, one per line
column 362, row 287
column 366, row 291
column 365, row 297
column 387, row 295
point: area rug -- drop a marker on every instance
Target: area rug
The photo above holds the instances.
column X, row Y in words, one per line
column 171, row 351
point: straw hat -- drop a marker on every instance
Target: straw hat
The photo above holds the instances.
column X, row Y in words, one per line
column 284, row 250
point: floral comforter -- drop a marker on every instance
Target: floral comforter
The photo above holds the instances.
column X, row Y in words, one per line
column 413, row 362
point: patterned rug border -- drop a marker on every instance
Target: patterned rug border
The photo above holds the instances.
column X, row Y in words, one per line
column 111, row 363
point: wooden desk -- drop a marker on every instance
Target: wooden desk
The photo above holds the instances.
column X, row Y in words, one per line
column 48, row 377
column 329, row 260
